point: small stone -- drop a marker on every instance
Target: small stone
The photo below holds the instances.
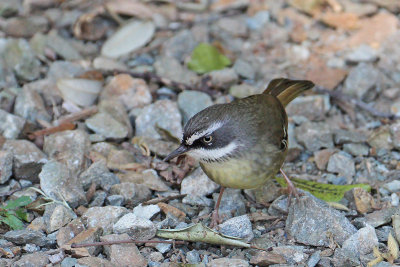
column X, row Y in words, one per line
column 110, row 64
column 170, row 68
column 93, row 262
column 126, row 190
column 105, row 125
column 115, row 200
column 34, row 259
column 6, row 164
column 314, row 259
column 198, row 184
column 131, row 92
column 19, row 56
column 395, row 200
column 243, row 90
column 356, row 150
column 146, row 212
column 266, row 193
column 22, row 237
column 238, row 227
column 87, row 236
column 191, row 102
column 162, row 114
column 29, row 105
column 99, row 174
column 70, row 148
column 279, row 207
column 25, row 26
column 313, row 107
column 232, row 202
column 363, row 200
column 69, row 262
column 62, row 46
column 244, row 69
column 322, row 157
column 314, row 135
column 57, row 216
column 197, row 201
column 232, row 26
column 267, row 258
column 58, row 182
column 123, row 254
column 356, row 83
column 193, row 257
column 258, row 21
column 158, row 147
column 341, row 137
column 148, row 178
column 104, row 217
column 163, row 247
column 363, row 241
column 224, row 78
column 395, row 108
column 341, row 163
column 136, row 227
column 179, row 46
column 310, row 220
column 393, row 186
column 395, row 133
column 98, row 199
column 66, row 233
column 381, row 138
column 60, row 69
column 363, row 53
column 28, row 159
column 227, row 262
column 10, row 125
column 79, row 91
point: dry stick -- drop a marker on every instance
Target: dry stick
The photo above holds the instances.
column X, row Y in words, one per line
column 341, row 97
column 158, row 200
column 78, row 115
column 107, row 243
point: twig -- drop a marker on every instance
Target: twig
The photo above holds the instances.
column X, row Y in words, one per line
column 77, row 115
column 108, row 243
column 62, row 127
column 337, row 95
column 164, row 199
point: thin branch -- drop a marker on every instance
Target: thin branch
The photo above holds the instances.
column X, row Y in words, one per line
column 108, row 243
column 164, row 199
column 337, row 95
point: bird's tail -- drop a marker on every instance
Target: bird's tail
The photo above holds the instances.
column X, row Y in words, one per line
column 286, row 90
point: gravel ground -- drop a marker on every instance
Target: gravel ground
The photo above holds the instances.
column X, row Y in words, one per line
column 94, row 94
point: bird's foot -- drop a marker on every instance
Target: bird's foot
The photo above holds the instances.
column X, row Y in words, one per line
column 215, row 220
column 291, row 188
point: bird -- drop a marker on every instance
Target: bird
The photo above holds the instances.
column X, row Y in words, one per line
column 243, row 144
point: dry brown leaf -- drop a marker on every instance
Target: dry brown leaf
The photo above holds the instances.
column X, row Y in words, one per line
column 396, row 226
column 363, row 200
column 393, row 248
column 170, row 209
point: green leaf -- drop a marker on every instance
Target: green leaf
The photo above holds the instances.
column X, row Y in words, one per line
column 22, row 214
column 326, row 192
column 19, row 202
column 12, row 221
column 206, row 58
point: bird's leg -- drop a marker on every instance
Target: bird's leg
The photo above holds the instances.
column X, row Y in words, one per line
column 215, row 220
column 292, row 190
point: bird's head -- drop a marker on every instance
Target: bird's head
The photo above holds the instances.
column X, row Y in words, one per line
column 208, row 136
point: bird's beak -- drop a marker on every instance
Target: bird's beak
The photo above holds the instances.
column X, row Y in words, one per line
column 179, row 151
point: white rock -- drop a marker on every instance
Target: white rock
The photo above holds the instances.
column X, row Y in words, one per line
column 127, row 39
column 82, row 92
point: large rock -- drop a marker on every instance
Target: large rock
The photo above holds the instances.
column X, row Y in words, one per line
column 28, row 159
column 104, row 217
column 70, row 148
column 57, row 181
column 198, row 184
column 312, row 222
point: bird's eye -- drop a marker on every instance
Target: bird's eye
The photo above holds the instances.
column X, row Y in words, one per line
column 207, row 139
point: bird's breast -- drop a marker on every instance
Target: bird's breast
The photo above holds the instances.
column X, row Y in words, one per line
column 243, row 173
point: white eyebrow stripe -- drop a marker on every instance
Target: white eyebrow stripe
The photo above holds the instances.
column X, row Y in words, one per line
column 215, row 126
column 212, row 154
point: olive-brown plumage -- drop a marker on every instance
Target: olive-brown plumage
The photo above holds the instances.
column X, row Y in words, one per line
column 244, row 143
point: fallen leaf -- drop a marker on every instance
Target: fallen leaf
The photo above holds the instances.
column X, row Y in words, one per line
column 206, row 58
column 200, row 233
column 170, row 209
column 326, row 192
